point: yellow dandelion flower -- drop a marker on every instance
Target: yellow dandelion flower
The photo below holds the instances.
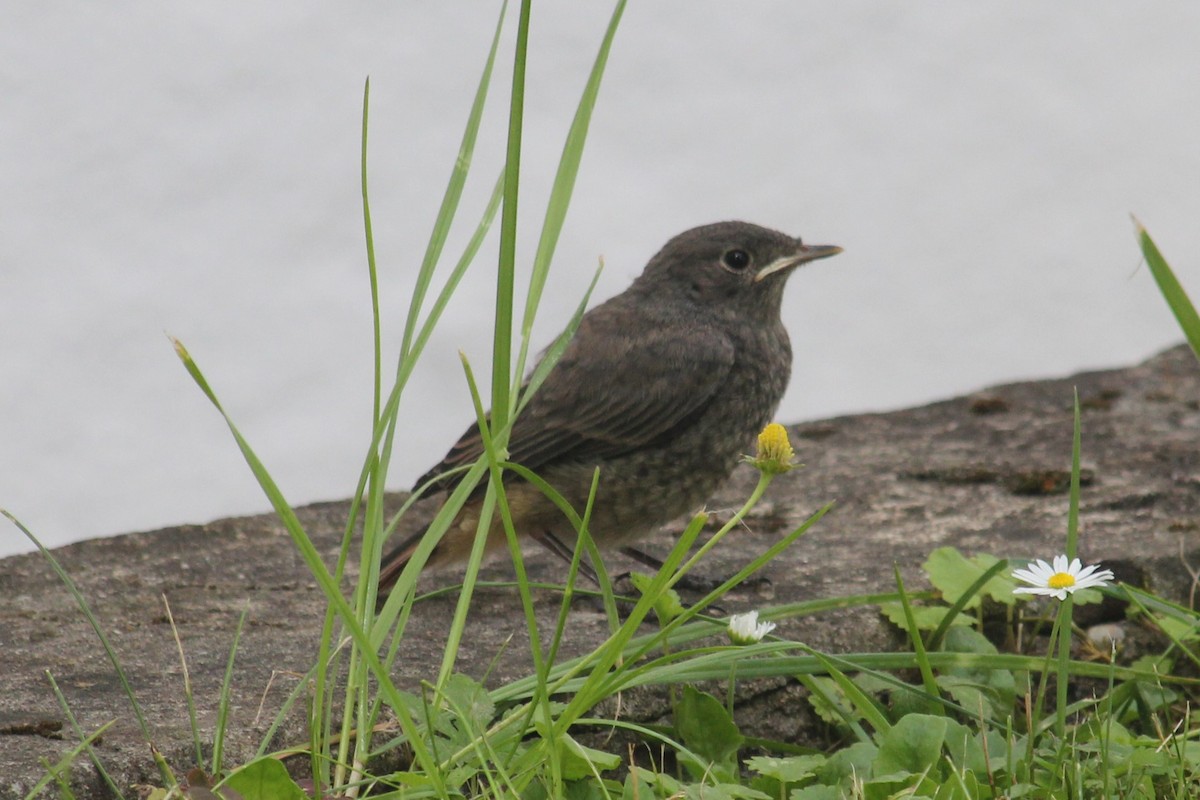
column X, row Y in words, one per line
column 775, row 453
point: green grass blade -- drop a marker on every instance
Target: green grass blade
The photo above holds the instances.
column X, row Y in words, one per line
column 378, row 457
column 554, row 352
column 699, row 629
column 226, row 691
column 376, row 462
column 634, row 648
column 1063, row 623
column 453, row 193
column 312, row 559
column 495, row 500
column 56, row 772
column 914, row 636
column 85, row 742
column 372, row 273
column 583, row 544
column 379, row 454
column 63, row 577
column 939, row 633
column 372, row 476
column 460, row 269
column 506, row 268
column 384, row 434
column 1073, row 502
column 702, row 670
column 737, row 578
column 1062, row 664
column 564, row 184
column 372, row 525
column 302, row 688
column 1172, row 290
column 188, row 696
column 817, row 690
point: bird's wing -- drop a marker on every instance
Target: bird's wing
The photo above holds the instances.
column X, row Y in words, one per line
column 614, row 390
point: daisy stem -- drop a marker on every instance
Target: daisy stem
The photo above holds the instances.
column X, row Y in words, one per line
column 1063, row 627
column 764, row 480
column 1039, row 700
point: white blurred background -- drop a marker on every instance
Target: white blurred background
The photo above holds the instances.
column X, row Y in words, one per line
column 193, row 169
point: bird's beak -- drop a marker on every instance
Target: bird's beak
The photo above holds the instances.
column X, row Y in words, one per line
column 808, row 252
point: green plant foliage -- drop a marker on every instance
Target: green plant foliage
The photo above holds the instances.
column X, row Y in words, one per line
column 667, row 604
column 927, row 618
column 1172, row 290
column 827, row 699
column 470, row 708
column 777, row 776
column 954, row 574
column 817, row 792
column 849, row 764
column 983, row 692
column 913, row 745
column 709, row 734
column 263, row 779
column 956, row 719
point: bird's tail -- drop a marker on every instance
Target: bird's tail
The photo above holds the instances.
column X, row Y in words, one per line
column 455, row 545
column 394, row 562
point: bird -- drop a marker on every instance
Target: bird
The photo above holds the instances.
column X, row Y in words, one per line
column 662, row 388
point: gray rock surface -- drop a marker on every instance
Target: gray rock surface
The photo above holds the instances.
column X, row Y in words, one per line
column 983, row 473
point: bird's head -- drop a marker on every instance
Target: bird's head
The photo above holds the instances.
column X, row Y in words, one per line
column 731, row 265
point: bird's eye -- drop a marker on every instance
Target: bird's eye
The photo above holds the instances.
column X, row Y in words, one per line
column 736, row 260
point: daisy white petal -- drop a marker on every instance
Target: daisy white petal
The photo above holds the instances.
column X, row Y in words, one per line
column 1061, row 578
column 746, row 629
column 1037, row 572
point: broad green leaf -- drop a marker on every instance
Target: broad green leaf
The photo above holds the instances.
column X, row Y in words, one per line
column 911, row 786
column 913, row 745
column 928, row 618
column 667, row 605
column 580, row 761
column 1177, row 629
column 469, row 699
column 264, row 779
column 818, row 792
column 977, row 689
column 787, row 770
column 953, row 574
column 850, row 762
column 705, row 727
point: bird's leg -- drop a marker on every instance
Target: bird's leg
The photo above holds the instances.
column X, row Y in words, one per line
column 556, row 546
column 691, row 582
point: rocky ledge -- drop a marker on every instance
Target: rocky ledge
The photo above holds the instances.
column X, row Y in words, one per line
column 983, row 473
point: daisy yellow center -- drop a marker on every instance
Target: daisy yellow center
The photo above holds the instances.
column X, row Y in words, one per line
column 1061, row 580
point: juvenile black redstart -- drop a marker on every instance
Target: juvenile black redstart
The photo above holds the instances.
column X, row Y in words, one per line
column 663, row 388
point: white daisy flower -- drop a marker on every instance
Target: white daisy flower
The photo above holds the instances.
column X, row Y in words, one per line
column 1060, row 579
column 746, row 629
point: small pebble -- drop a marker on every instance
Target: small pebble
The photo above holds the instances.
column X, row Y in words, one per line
column 1106, row 634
